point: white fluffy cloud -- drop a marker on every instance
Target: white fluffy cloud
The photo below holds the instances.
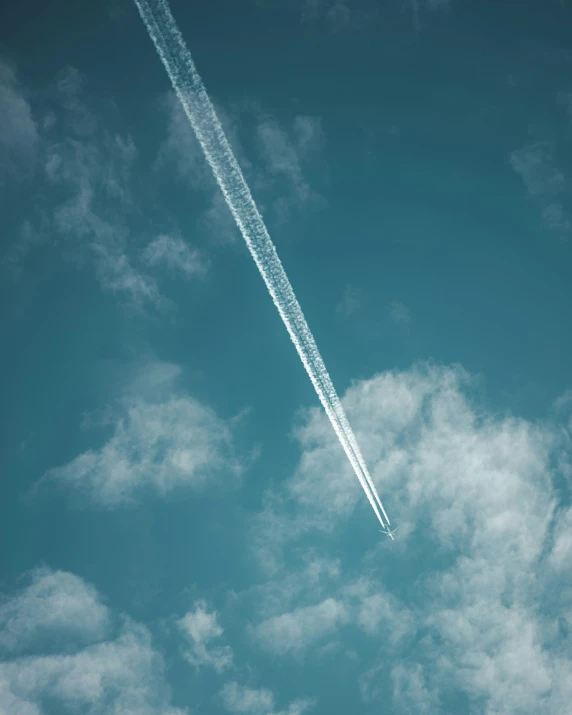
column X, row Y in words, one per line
column 294, row 631
column 121, row 675
column 56, row 608
column 199, row 627
column 482, row 616
column 162, row 439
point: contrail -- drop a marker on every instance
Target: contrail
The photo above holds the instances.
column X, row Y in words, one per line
column 192, row 94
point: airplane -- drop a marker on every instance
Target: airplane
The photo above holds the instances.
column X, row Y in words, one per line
column 388, row 532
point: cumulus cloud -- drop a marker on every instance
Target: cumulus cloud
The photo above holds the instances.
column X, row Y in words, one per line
column 121, row 675
column 199, row 627
column 18, row 132
column 294, row 631
column 159, row 443
column 478, row 490
column 55, row 610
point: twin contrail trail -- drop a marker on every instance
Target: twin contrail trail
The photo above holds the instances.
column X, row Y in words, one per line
column 189, row 87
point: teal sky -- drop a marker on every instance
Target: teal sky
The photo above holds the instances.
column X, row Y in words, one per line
column 180, row 531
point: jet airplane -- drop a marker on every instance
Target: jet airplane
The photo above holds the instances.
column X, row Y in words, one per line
column 388, row 532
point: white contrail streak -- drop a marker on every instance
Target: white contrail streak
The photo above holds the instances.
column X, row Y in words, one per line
column 188, row 85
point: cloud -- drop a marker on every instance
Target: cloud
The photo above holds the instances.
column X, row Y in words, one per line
column 120, row 675
column 175, row 254
column 199, row 627
column 561, row 554
column 410, row 691
column 535, row 164
column 279, row 179
column 438, row 4
column 380, row 613
column 350, row 302
column 55, row 610
column 292, row 632
column 242, row 699
column 158, row 444
column 18, row 133
column 336, row 13
column 399, row 313
column 486, row 617
column 180, row 148
column 90, row 183
column 284, row 155
column 217, row 220
column 92, row 169
column 118, row 276
column 545, row 183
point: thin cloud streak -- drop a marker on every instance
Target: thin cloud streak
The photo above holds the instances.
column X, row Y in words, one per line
column 188, row 85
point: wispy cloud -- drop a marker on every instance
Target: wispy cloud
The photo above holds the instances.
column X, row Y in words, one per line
column 346, row 15
column 545, row 182
column 90, row 182
column 118, row 276
column 399, row 313
column 336, row 13
column 278, row 177
column 18, row 132
column 199, row 627
column 175, row 253
column 283, row 156
column 350, row 302
column 70, row 659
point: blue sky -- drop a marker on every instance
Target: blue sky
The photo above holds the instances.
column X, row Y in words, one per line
column 180, row 531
